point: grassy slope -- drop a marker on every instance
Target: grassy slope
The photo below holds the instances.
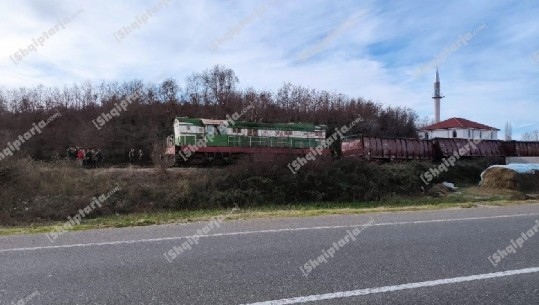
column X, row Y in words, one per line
column 466, row 198
column 37, row 196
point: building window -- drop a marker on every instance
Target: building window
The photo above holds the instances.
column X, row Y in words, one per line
column 469, row 134
column 426, row 135
column 454, row 133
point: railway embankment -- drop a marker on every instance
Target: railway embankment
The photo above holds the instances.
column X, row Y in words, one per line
column 35, row 193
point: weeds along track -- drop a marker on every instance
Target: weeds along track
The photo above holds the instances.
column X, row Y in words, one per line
column 34, row 191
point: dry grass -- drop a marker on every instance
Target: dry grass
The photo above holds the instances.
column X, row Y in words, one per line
column 506, row 179
column 35, row 192
column 144, row 219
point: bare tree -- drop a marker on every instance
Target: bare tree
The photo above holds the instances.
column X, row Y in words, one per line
column 148, row 119
column 169, row 90
column 424, row 122
column 3, row 102
column 531, row 136
column 216, row 85
column 195, row 91
column 508, row 131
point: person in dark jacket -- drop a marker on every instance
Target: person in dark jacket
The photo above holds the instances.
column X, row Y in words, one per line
column 74, row 152
column 69, row 154
column 99, row 157
column 89, row 158
column 132, row 155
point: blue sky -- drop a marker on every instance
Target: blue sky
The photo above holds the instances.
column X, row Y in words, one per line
column 368, row 49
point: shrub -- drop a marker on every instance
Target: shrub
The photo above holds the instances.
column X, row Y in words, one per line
column 38, row 191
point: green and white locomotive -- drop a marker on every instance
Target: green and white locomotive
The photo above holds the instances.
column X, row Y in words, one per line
column 200, row 141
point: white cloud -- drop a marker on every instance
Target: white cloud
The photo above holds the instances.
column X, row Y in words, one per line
column 491, row 80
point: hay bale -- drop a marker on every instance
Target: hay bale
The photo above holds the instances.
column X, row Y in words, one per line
column 508, row 179
column 500, row 178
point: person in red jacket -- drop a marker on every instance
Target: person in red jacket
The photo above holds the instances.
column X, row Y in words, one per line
column 80, row 156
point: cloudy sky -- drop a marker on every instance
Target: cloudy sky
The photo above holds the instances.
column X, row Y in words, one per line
column 386, row 51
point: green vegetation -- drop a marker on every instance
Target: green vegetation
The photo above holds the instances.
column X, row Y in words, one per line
column 269, row 211
column 36, row 193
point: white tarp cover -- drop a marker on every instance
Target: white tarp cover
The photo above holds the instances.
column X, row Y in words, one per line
column 520, row 168
column 450, row 186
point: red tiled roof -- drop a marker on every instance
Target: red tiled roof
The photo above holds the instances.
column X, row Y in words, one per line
column 457, row 123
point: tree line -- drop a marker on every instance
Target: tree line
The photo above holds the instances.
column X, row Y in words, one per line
column 148, row 118
column 531, row 136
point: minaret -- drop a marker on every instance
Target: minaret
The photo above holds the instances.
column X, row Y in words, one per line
column 437, row 97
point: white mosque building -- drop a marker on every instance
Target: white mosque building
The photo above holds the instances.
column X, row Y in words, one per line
column 454, row 127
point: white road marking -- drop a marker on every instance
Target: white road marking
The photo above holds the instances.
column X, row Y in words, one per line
column 367, row 291
column 122, row 242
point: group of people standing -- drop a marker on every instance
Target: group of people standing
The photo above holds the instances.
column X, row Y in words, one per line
column 88, row 157
column 132, row 155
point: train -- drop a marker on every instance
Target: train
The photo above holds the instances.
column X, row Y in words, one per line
column 365, row 147
column 209, row 141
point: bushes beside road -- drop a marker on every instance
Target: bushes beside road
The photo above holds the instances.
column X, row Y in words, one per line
column 35, row 191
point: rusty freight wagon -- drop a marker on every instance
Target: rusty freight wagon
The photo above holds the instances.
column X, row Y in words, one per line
column 484, row 148
column 522, row 149
column 364, row 147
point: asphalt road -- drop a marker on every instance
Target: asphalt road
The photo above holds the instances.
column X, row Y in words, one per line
column 436, row 257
